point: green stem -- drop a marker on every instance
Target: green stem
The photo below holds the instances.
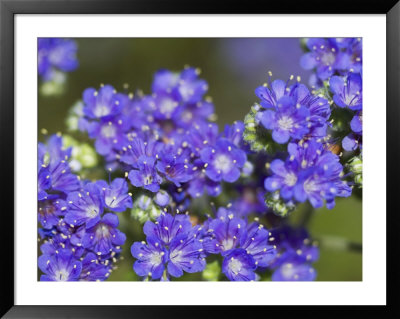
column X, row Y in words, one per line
column 307, row 214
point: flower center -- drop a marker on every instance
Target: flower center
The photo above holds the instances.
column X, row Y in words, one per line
column 287, row 271
column 167, row 106
column 101, row 110
column 310, row 186
column 290, row 179
column 62, row 275
column 285, row 123
column 223, row 163
column 148, row 179
column 102, row 231
column 235, row 265
column 92, row 212
column 228, row 243
column 108, row 131
column 156, row 258
column 328, row 58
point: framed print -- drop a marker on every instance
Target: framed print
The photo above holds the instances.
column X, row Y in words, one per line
column 196, row 155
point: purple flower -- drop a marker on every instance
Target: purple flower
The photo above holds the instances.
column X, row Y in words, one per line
column 295, row 255
column 109, row 135
column 284, row 178
column 185, row 254
column 224, row 234
column 104, row 237
column 56, row 54
column 84, row 207
column 102, row 104
column 175, row 168
column 140, row 148
column 325, row 56
column 167, row 227
column 288, row 120
column 50, row 212
column 62, row 266
column 151, row 257
column 201, row 182
column 347, row 92
column 93, row 269
column 116, row 196
column 310, row 172
column 238, row 265
column 223, row 161
column 256, row 243
column 146, row 176
column 293, row 270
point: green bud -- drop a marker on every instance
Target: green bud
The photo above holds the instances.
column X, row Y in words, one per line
column 55, row 86
column 145, row 209
column 354, row 165
column 73, row 116
column 278, row 206
column 82, row 156
column 212, row 271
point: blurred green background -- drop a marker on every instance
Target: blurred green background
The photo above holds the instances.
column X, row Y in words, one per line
column 233, row 69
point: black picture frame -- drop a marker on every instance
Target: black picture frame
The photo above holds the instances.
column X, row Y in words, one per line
column 8, row 10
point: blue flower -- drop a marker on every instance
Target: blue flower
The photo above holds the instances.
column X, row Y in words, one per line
column 310, row 172
column 288, row 120
column 256, row 243
column 55, row 54
column 172, row 248
column 109, row 135
column 239, row 266
column 201, row 182
column 354, row 140
column 325, row 56
column 116, row 196
column 284, row 178
column 293, row 270
column 146, row 176
column 104, row 237
column 167, row 227
column 296, row 253
column 223, row 161
column 151, row 258
column 318, row 107
column 84, row 207
column 175, row 168
column 140, row 148
column 93, row 269
column 185, row 254
column 347, row 92
column 62, row 266
column 102, row 104
column 224, row 234
column 50, row 212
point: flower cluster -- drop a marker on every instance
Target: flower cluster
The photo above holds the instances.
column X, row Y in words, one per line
column 79, row 234
column 56, row 56
column 245, row 247
column 310, row 172
column 330, row 56
column 306, row 169
column 165, row 138
column 165, row 152
column 172, row 247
